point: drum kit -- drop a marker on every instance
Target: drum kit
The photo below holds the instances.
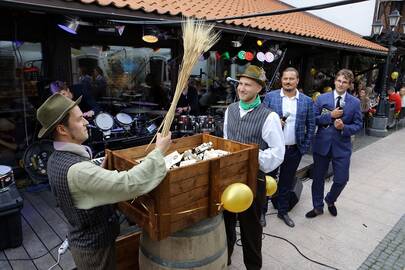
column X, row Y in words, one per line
column 139, row 122
column 6, row 178
column 189, row 124
column 124, row 124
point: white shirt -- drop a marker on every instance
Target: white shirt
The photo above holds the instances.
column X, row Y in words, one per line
column 403, row 101
column 336, row 95
column 272, row 134
column 289, row 106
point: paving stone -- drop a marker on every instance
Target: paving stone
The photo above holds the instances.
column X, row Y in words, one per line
column 390, row 252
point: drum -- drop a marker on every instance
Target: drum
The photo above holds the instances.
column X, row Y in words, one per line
column 206, row 123
column 36, row 158
column 124, row 120
column 186, row 123
column 6, row 177
column 104, row 121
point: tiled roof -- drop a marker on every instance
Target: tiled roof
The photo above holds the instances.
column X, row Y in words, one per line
column 299, row 23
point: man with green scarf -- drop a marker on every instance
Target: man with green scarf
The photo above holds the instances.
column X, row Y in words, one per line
column 247, row 121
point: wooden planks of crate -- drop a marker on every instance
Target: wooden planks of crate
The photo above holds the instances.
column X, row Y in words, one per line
column 187, row 194
column 127, row 251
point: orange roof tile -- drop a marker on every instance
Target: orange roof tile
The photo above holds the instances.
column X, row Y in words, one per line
column 300, row 23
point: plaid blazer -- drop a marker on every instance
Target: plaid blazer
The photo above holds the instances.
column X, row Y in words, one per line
column 305, row 119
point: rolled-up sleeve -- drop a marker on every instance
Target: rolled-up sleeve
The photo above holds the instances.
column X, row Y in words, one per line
column 91, row 186
column 272, row 134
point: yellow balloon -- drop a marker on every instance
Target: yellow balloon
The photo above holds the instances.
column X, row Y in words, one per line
column 315, row 95
column 327, row 89
column 312, row 71
column 271, row 185
column 394, row 75
column 237, row 198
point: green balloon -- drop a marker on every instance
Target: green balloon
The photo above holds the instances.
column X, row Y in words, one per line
column 242, row 55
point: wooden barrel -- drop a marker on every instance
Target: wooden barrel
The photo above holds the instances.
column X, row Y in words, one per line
column 202, row 246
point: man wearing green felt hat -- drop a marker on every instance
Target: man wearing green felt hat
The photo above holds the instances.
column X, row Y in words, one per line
column 84, row 191
column 247, row 121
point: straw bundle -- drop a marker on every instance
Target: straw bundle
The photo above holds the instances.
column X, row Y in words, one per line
column 197, row 38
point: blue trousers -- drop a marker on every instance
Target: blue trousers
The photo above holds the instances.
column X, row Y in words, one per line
column 340, row 177
column 288, row 169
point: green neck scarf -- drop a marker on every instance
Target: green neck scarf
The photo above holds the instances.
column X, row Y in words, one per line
column 249, row 106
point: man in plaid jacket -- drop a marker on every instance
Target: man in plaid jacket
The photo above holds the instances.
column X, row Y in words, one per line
column 297, row 118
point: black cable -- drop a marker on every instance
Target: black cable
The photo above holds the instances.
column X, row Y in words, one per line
column 48, row 250
column 302, row 254
column 35, row 258
column 239, row 243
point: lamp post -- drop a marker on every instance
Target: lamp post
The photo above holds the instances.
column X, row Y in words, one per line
column 380, row 121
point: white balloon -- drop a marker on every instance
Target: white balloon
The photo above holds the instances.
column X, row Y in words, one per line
column 260, row 56
column 269, row 57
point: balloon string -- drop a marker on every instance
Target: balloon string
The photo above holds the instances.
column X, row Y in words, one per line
column 220, row 206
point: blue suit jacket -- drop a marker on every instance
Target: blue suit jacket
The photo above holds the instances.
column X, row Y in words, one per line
column 327, row 136
column 304, row 123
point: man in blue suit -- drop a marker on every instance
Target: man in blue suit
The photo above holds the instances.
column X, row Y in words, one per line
column 297, row 118
column 338, row 116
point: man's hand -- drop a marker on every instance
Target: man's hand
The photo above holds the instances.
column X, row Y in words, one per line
column 282, row 123
column 163, row 143
column 104, row 163
column 339, row 124
column 183, row 109
column 336, row 113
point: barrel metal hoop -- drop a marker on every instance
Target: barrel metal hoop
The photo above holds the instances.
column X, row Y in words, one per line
column 184, row 264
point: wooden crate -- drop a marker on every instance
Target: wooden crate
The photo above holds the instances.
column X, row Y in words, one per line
column 127, row 251
column 188, row 194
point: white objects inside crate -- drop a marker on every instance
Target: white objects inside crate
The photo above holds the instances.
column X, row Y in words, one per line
column 204, row 151
column 172, row 159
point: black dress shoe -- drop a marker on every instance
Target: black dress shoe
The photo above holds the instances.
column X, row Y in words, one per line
column 332, row 210
column 263, row 220
column 313, row 213
column 287, row 220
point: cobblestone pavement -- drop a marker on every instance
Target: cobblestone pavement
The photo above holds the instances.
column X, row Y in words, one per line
column 390, row 252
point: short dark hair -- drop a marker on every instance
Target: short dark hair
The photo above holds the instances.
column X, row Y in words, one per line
column 346, row 73
column 291, row 69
